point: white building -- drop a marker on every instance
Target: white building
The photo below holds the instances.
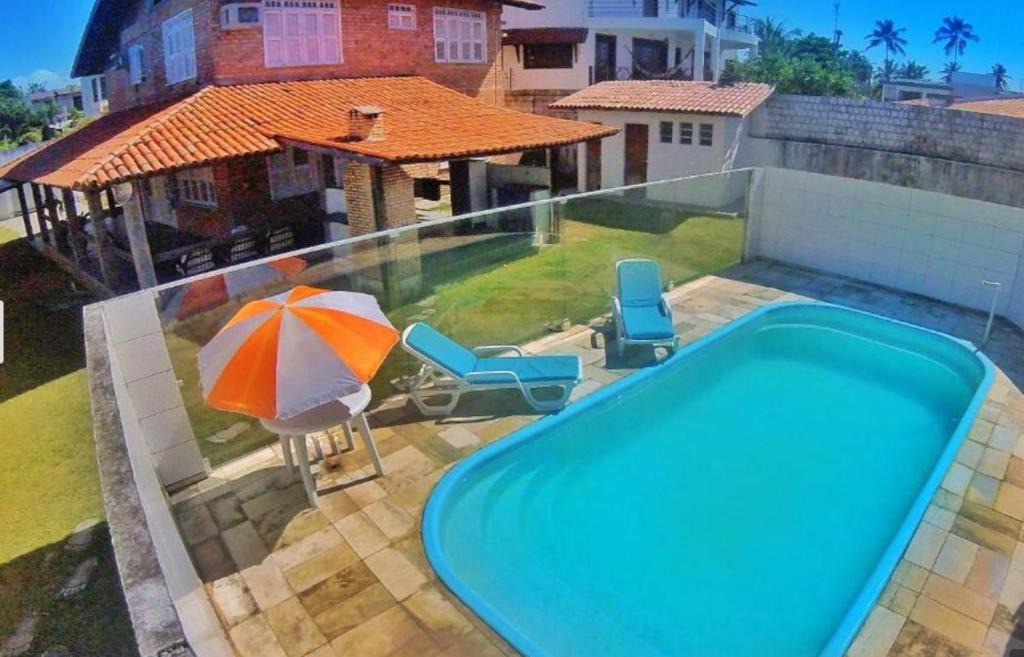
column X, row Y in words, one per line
column 961, row 87
column 572, row 44
column 667, row 129
column 94, row 95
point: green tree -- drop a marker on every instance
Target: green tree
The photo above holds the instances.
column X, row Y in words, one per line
column 773, row 35
column 948, row 70
column 1002, row 77
column 911, row 70
column 887, row 34
column 954, row 34
column 16, row 118
column 887, row 71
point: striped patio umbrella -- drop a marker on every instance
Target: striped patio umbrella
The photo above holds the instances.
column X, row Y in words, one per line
column 295, row 351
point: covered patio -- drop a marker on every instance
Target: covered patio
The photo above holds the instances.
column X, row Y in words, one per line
column 231, row 174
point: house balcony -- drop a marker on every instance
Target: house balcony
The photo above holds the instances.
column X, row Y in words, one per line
column 735, row 30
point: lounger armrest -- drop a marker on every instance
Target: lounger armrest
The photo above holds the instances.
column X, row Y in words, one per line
column 616, row 307
column 512, row 376
column 500, row 348
column 667, row 309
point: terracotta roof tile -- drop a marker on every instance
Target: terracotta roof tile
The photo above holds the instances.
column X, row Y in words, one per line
column 670, row 96
column 1010, row 107
column 423, row 122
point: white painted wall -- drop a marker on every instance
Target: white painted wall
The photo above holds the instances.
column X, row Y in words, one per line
column 665, row 161
column 578, row 77
column 92, row 106
column 931, row 244
column 561, row 13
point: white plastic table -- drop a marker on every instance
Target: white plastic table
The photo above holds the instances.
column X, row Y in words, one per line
column 340, row 412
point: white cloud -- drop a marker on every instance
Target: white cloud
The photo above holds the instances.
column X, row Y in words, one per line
column 51, row 79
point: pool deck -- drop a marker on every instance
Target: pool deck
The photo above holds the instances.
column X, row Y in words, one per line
column 351, row 578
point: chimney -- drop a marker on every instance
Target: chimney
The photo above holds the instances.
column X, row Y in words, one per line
column 366, row 123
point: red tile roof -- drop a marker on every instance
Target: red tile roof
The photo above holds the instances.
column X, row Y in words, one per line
column 670, row 96
column 423, row 122
column 1010, row 107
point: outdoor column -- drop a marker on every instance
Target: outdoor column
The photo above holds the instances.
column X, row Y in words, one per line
column 699, row 44
column 135, row 226
column 51, row 214
column 25, row 218
column 74, row 222
column 37, row 198
column 97, row 216
column 716, row 57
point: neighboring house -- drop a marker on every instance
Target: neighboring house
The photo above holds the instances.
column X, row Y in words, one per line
column 667, row 129
column 1012, row 107
column 572, row 44
column 67, row 100
column 961, row 87
column 242, row 129
column 94, row 95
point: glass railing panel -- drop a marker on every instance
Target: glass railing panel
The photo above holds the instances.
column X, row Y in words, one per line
column 510, row 275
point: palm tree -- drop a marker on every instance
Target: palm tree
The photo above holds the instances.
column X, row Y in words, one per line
column 911, row 70
column 1002, row 77
column 773, row 34
column 953, row 34
column 886, row 71
column 887, row 34
column 948, row 70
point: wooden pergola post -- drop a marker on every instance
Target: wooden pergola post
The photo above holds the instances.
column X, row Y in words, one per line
column 135, row 226
column 74, row 222
column 51, row 214
column 37, row 198
column 25, row 218
column 97, row 216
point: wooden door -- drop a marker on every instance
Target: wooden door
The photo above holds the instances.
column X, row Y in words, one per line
column 593, row 165
column 604, row 57
column 650, row 8
column 636, row 154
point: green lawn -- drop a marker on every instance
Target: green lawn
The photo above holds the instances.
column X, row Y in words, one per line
column 49, row 481
column 505, row 290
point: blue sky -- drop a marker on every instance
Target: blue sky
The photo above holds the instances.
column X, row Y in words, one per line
column 40, row 44
column 998, row 24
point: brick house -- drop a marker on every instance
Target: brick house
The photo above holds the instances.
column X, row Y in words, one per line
column 239, row 129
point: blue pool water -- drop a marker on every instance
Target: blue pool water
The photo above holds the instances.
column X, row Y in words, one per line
column 748, row 497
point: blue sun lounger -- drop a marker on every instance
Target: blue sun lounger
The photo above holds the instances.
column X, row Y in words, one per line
column 449, row 370
column 641, row 313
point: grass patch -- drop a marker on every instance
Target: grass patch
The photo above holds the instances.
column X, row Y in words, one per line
column 503, row 289
column 49, row 479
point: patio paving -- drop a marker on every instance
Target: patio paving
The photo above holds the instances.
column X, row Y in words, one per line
column 351, row 577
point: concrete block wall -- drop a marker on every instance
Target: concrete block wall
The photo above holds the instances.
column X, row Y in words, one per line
column 137, row 338
column 924, row 131
column 931, row 244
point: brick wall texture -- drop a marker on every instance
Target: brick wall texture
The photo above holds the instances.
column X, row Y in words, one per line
column 399, row 199
column 369, row 48
column 538, row 101
column 969, row 137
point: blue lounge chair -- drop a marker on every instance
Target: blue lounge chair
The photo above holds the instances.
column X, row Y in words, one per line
column 449, row 370
column 641, row 313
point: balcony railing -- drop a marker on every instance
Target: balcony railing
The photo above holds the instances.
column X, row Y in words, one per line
column 739, row 22
column 705, row 9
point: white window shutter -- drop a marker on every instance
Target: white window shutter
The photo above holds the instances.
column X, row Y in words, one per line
column 330, row 39
column 273, row 38
column 310, row 37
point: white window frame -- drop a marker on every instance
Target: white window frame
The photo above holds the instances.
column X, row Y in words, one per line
column 179, row 36
column 288, row 179
column 469, row 29
column 135, row 69
column 401, row 17
column 301, row 33
column 197, row 187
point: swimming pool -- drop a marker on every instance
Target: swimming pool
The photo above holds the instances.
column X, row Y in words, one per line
column 751, row 496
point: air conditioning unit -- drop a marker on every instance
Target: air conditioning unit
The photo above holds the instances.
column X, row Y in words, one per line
column 240, row 16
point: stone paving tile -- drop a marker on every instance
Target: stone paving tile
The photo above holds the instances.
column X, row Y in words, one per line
column 294, row 628
column 354, row 574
